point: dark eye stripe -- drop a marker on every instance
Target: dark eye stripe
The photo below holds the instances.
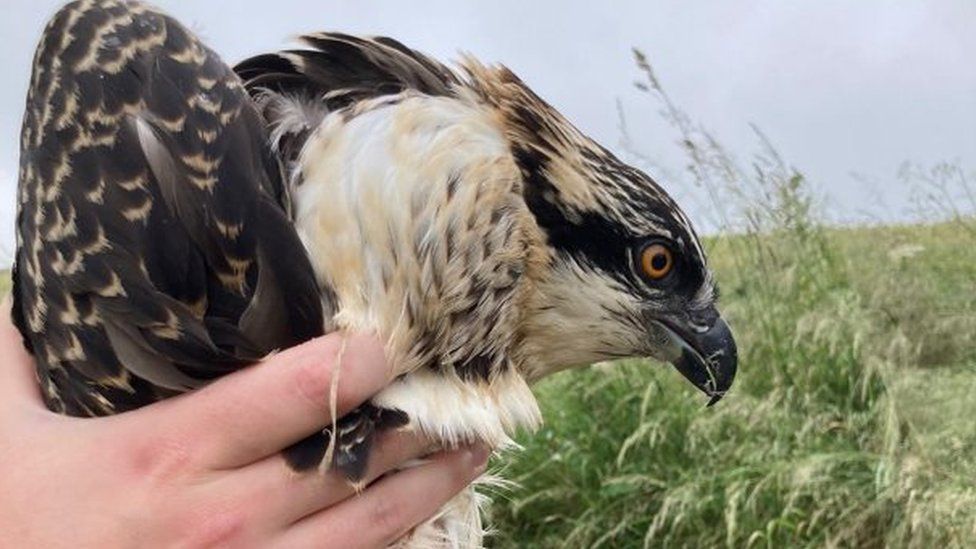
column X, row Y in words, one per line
column 604, row 240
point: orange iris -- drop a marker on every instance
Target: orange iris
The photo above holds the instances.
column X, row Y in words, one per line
column 657, row 261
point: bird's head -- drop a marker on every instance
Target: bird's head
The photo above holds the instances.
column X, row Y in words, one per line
column 625, row 273
column 617, row 269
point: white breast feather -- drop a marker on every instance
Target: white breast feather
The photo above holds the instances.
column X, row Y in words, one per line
column 374, row 185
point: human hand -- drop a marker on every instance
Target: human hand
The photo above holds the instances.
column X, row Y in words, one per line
column 204, row 469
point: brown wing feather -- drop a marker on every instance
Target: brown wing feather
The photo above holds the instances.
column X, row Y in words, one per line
column 339, row 70
column 154, row 252
column 335, row 71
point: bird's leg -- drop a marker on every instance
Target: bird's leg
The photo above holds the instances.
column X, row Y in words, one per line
column 355, row 434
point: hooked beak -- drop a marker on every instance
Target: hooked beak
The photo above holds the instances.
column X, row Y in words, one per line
column 707, row 358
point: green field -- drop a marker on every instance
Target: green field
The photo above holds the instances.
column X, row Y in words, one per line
column 4, row 282
column 851, row 422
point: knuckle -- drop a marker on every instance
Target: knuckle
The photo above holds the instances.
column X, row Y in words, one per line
column 312, row 381
column 388, row 516
column 220, row 526
column 454, row 465
column 181, row 516
column 460, row 473
column 161, row 460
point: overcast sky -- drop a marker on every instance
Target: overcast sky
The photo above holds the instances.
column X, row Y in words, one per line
column 839, row 86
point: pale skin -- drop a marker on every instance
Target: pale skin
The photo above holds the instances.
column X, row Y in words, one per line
column 204, row 469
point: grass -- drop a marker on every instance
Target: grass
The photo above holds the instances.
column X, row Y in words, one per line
column 850, row 423
column 851, row 420
column 4, row 282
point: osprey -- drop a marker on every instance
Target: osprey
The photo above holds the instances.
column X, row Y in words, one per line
column 179, row 220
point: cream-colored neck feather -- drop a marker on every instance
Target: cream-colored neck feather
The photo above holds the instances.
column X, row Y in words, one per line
column 412, row 211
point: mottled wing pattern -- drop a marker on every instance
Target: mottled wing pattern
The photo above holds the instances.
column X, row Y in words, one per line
column 340, row 70
column 296, row 88
column 154, row 251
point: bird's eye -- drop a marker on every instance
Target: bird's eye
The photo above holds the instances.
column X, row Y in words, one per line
column 656, row 261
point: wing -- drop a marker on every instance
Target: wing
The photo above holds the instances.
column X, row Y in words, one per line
column 295, row 89
column 154, row 248
column 339, row 70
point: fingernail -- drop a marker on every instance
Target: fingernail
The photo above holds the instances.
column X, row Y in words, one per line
column 366, row 353
column 478, row 455
column 366, row 346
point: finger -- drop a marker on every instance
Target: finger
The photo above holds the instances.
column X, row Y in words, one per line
column 288, row 496
column 257, row 412
column 18, row 382
column 394, row 505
